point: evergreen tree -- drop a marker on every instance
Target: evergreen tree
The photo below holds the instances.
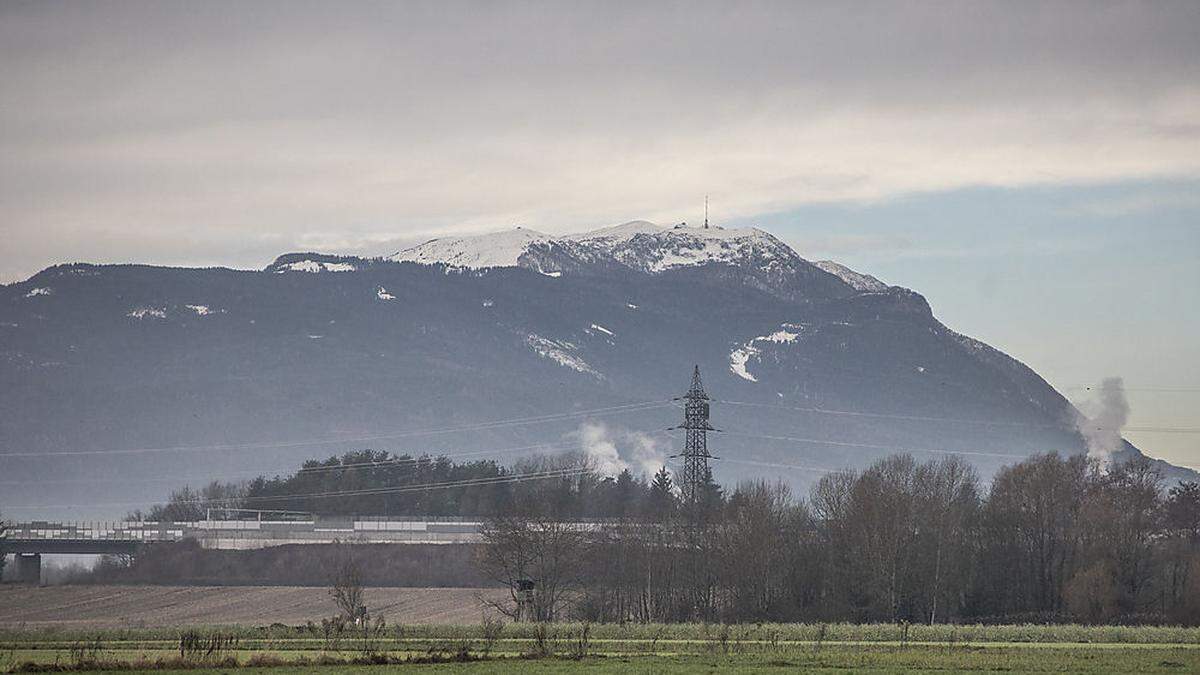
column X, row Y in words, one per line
column 661, row 503
column 1183, row 511
column 625, row 495
column 711, row 498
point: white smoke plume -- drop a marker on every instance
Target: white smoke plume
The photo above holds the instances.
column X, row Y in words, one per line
column 1103, row 418
column 613, row 450
column 600, row 448
column 647, row 454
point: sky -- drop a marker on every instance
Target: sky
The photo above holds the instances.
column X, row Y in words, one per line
column 1032, row 168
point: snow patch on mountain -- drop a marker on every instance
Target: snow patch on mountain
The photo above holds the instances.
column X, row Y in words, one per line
column 856, row 280
column 383, row 294
column 143, row 312
column 780, row 337
column 314, row 266
column 38, row 291
column 602, row 329
column 740, row 357
column 560, row 352
column 200, row 310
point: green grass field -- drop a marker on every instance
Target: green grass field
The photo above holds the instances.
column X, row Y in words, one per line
column 612, row 648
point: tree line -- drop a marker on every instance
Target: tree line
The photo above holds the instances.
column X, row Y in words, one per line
column 1051, row 538
column 376, row 483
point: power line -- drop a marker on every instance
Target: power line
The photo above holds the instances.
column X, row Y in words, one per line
column 399, row 461
column 874, row 446
column 430, row 457
column 471, row 482
column 778, row 465
column 958, row 420
column 1157, row 389
column 913, row 418
column 467, row 482
column 480, row 426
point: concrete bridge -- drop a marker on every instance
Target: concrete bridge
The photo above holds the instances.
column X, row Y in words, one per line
column 29, row 541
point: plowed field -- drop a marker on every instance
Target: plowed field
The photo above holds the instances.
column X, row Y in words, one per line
column 153, row 606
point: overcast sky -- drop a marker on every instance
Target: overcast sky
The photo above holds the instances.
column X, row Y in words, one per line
column 1033, row 168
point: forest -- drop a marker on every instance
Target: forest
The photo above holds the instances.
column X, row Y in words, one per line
column 1050, row 539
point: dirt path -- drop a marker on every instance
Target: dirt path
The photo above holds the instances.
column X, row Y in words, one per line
column 150, row 606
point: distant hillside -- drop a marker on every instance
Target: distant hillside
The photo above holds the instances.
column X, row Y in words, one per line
column 157, row 376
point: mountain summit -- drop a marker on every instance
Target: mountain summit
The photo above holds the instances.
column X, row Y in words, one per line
column 642, row 246
column 639, row 245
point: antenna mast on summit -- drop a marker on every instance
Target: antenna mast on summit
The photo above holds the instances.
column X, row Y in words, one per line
column 706, row 212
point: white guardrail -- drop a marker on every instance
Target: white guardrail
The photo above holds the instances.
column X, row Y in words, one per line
column 251, row 533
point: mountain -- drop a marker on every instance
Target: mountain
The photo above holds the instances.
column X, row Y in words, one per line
column 123, row 381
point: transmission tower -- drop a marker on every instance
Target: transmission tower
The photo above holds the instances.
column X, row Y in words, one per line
column 695, row 446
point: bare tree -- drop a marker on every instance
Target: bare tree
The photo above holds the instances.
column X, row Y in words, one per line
column 346, row 589
column 538, row 550
column 1181, row 567
column 1123, row 516
column 1033, row 528
column 949, row 494
column 537, row 547
column 216, row 500
column 3, row 534
column 753, row 552
column 880, row 525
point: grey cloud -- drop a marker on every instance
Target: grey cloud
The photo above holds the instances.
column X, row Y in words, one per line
column 356, row 122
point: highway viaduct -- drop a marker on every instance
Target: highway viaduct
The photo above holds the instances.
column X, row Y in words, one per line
column 28, row 542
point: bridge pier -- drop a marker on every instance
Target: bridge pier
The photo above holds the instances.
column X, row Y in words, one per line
column 29, row 568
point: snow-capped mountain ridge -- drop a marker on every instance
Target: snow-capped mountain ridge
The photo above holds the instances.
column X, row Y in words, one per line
column 753, row 256
column 638, row 244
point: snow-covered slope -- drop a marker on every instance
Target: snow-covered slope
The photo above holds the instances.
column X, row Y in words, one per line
column 314, row 267
column 857, row 280
column 620, row 232
column 495, row 249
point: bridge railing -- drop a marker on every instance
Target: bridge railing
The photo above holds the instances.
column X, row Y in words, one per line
column 97, row 531
column 320, row 529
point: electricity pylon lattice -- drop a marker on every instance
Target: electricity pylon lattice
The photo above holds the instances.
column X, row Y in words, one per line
column 695, row 446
